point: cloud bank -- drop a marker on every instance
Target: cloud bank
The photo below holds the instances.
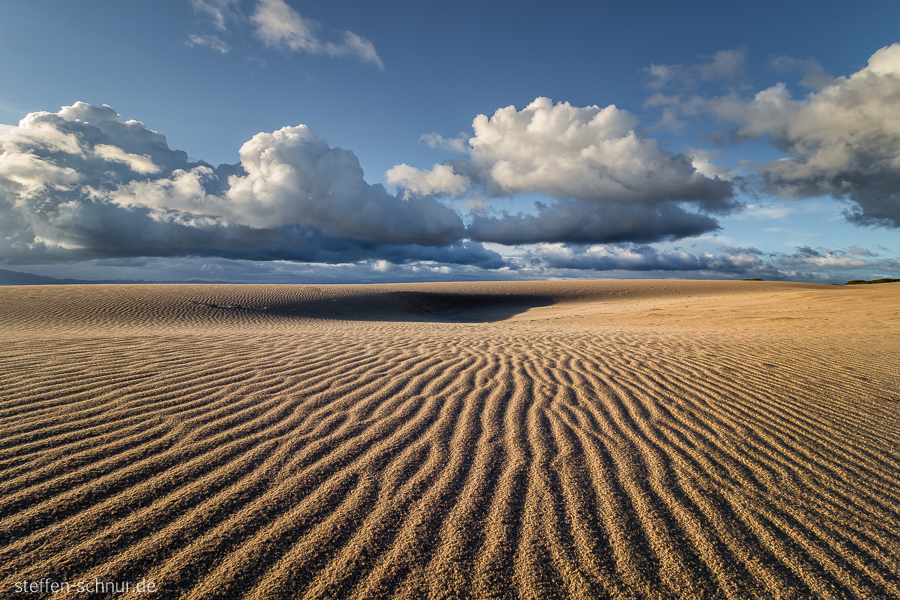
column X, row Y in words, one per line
column 806, row 264
column 634, row 257
column 82, row 184
column 577, row 221
column 842, row 140
column 611, row 183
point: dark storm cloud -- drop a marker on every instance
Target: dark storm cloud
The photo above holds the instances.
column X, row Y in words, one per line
column 579, row 221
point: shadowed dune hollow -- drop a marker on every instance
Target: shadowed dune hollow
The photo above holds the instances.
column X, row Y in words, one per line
column 400, row 306
column 607, row 439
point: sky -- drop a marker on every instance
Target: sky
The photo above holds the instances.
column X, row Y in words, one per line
column 338, row 141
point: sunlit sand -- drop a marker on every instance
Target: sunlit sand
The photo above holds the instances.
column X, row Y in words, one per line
column 609, row 439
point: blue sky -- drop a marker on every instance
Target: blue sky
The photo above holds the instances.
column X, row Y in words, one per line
column 339, row 141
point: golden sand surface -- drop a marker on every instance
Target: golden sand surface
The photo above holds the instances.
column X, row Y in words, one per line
column 603, row 439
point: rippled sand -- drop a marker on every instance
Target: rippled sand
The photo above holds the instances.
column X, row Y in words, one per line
column 618, row 439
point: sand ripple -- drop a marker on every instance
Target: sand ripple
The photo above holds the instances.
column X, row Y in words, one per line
column 615, row 440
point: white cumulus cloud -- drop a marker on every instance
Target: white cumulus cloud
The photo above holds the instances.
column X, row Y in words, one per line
column 843, row 140
column 80, row 183
column 590, row 153
column 440, row 179
column 136, row 162
column 611, row 182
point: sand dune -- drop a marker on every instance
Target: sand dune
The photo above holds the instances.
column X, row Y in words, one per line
column 610, row 439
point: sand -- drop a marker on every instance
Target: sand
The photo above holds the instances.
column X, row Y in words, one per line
column 609, row 439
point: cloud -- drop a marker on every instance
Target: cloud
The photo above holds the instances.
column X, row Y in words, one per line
column 210, row 41
column 823, row 257
column 843, row 140
column 702, row 160
column 383, row 266
column 611, row 183
column 723, row 65
column 221, row 270
column 590, row 153
column 441, row 179
column 136, row 162
column 814, row 73
column 280, row 26
column 808, row 264
column 292, row 176
column 277, row 24
column 81, row 184
column 458, row 144
column 765, row 211
column 673, row 82
column 861, row 251
column 219, row 12
column 643, row 258
column 577, row 221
